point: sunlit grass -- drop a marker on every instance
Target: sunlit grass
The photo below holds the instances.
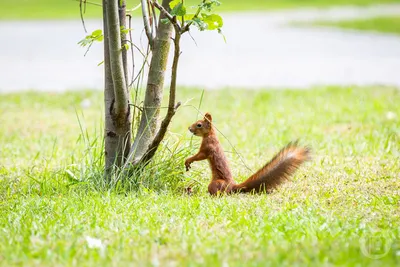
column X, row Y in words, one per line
column 390, row 24
column 69, row 9
column 50, row 201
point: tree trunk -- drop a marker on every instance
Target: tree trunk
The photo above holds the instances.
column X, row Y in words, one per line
column 116, row 96
column 154, row 91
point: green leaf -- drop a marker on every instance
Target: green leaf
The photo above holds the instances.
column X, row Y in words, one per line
column 95, row 36
column 97, row 33
column 84, row 42
column 215, row 2
column 125, row 30
column 213, row 21
column 126, row 46
column 188, row 17
column 173, row 3
column 209, row 5
column 200, row 24
column 178, row 10
column 100, row 38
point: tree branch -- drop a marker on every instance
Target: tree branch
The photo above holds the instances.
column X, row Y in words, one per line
column 146, row 21
column 120, row 87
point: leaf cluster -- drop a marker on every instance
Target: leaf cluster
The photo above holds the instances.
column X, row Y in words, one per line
column 203, row 19
column 95, row 36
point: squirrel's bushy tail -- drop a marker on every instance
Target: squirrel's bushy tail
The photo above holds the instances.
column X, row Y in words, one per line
column 276, row 171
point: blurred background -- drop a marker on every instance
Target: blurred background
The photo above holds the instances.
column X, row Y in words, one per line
column 269, row 43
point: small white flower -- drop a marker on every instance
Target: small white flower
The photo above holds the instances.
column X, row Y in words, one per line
column 86, row 103
column 390, row 115
column 96, row 243
column 155, row 261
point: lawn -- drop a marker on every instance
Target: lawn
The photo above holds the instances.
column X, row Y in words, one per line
column 69, row 9
column 389, row 24
column 54, row 211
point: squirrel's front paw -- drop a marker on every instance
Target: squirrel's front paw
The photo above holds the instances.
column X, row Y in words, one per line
column 187, row 164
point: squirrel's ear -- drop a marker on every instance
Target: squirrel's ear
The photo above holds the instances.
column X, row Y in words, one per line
column 207, row 117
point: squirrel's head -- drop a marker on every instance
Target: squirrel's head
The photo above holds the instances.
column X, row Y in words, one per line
column 202, row 127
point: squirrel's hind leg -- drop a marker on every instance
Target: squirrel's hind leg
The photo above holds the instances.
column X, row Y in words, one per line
column 219, row 186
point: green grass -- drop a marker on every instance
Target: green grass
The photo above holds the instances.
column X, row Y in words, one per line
column 348, row 193
column 389, row 24
column 68, row 9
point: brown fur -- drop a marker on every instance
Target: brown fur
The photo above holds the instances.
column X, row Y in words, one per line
column 274, row 173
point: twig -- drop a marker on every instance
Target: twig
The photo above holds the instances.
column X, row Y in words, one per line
column 143, row 65
column 82, row 11
column 136, row 106
column 137, row 88
column 90, row 3
column 155, row 22
column 87, row 50
column 149, row 31
column 132, row 53
column 135, row 46
column 192, row 38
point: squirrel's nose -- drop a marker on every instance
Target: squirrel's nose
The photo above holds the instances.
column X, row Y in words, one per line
column 190, row 129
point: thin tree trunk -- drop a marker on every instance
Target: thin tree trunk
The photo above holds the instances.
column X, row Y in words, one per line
column 122, row 23
column 172, row 107
column 154, row 91
column 109, row 138
column 116, row 96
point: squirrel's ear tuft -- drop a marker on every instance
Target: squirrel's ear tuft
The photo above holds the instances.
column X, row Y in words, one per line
column 207, row 117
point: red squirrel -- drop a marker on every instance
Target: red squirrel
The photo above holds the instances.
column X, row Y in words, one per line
column 274, row 173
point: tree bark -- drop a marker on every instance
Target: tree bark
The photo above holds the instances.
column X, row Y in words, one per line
column 154, row 90
column 172, row 107
column 116, row 96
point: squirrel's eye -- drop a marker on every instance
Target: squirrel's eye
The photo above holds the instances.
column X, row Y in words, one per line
column 198, row 125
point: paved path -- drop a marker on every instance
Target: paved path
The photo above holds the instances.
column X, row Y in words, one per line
column 262, row 50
